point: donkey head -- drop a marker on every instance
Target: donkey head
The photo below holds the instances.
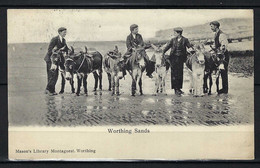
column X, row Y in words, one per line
column 56, row 57
column 158, row 55
column 199, row 53
column 138, row 56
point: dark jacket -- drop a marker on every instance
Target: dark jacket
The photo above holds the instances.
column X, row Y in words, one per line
column 55, row 42
column 173, row 45
column 132, row 43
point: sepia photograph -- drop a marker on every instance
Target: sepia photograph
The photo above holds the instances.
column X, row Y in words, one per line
column 130, row 84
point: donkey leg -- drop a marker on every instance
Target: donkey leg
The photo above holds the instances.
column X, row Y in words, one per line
column 62, row 83
column 79, row 77
column 113, row 84
column 96, row 80
column 210, row 83
column 201, row 85
column 100, row 78
column 117, row 86
column 195, row 83
column 217, row 84
column 156, row 87
column 163, row 85
column 109, row 81
column 85, row 84
column 72, row 85
column 191, row 85
column 205, row 84
column 140, row 86
column 133, row 87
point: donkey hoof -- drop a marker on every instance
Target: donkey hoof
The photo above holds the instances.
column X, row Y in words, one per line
column 109, row 89
column 61, row 92
column 94, row 90
column 77, row 94
column 133, row 95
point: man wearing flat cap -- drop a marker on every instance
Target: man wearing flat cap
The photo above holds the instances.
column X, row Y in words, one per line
column 178, row 56
column 221, row 45
column 57, row 42
column 133, row 40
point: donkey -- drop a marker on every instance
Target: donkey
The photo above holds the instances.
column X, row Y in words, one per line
column 214, row 64
column 114, row 66
column 58, row 59
column 135, row 65
column 196, row 67
column 83, row 64
column 161, row 69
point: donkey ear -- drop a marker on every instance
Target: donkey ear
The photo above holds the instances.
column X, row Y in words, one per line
column 154, row 47
column 86, row 49
column 116, row 48
column 72, row 49
column 163, row 46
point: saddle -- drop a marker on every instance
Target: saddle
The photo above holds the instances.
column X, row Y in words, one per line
column 113, row 55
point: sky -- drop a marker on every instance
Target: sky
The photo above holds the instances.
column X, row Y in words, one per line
column 40, row 25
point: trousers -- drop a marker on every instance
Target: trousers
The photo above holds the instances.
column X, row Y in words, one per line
column 52, row 77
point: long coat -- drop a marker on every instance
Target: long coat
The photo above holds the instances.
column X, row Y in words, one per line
column 178, row 56
column 55, row 42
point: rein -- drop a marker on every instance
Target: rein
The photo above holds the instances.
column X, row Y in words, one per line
column 81, row 63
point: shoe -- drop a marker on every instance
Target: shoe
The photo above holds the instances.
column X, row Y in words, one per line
column 46, row 91
column 177, row 92
column 222, row 91
column 52, row 94
column 181, row 91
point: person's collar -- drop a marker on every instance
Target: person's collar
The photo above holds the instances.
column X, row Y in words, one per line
column 60, row 38
column 179, row 37
column 217, row 31
column 134, row 35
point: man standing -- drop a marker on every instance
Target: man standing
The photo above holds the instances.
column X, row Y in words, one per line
column 57, row 42
column 221, row 44
column 133, row 40
column 178, row 56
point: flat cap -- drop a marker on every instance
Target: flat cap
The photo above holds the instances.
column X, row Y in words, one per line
column 216, row 23
column 61, row 29
column 178, row 29
column 133, row 26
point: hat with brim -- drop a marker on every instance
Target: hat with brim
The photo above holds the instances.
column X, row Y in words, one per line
column 178, row 29
column 61, row 29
